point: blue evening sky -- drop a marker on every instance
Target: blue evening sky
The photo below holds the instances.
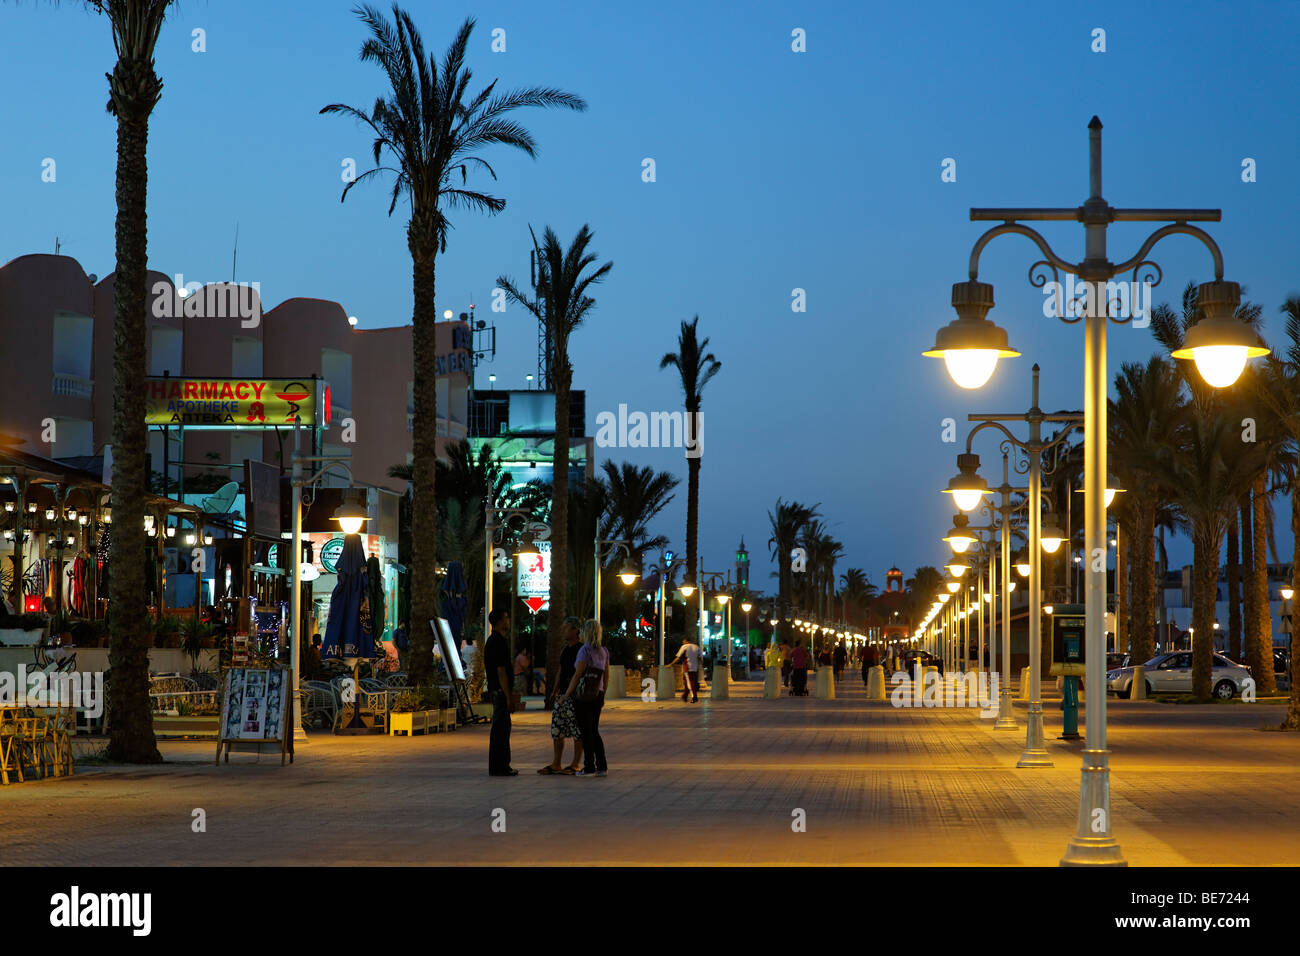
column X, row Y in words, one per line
column 776, row 170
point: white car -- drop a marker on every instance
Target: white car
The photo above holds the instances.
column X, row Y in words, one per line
column 1172, row 674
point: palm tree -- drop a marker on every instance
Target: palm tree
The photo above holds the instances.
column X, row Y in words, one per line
column 1281, row 393
column 856, row 592
column 429, row 133
column 1146, row 416
column 1263, row 454
column 786, row 521
column 695, row 366
column 134, row 89
column 561, row 303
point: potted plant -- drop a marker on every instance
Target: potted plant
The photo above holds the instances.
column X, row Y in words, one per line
column 193, row 634
column 408, row 715
column 167, row 632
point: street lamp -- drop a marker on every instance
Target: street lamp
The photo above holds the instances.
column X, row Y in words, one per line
column 349, row 515
column 628, row 573
column 967, row 487
column 1051, row 536
column 958, row 537
column 1220, row 350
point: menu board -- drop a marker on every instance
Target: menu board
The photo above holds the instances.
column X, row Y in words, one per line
column 254, row 709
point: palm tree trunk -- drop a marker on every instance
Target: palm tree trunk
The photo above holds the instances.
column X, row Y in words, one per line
column 422, row 242
column 1234, row 591
column 134, row 88
column 693, row 521
column 1249, row 617
column 1142, row 568
column 1259, row 656
column 563, row 378
column 1292, row 719
column 1205, row 570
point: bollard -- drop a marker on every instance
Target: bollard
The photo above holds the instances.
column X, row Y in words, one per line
column 1138, row 689
column 721, row 682
column 876, row 683
column 1024, row 684
column 617, row 682
column 825, row 687
column 772, row 683
column 666, row 685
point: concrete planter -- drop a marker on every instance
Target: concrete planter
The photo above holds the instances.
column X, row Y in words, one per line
column 12, row 637
column 412, row 722
column 164, row 726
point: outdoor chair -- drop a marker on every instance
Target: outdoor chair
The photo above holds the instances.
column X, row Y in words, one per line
column 36, row 748
column 398, row 680
column 320, row 701
column 11, row 746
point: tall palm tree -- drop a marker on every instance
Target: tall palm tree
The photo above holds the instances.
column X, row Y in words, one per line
column 1281, row 391
column 1265, row 454
column 695, row 366
column 786, row 521
column 1147, row 414
column 561, row 303
column 134, row 89
column 428, row 133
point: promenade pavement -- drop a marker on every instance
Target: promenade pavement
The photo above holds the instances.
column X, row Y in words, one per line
column 716, row 782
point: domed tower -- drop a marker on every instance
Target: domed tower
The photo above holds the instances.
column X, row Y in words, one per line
column 893, row 581
column 742, row 566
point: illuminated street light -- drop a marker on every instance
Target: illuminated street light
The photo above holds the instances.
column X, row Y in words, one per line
column 1220, row 344
column 967, row 487
column 971, row 345
column 958, row 537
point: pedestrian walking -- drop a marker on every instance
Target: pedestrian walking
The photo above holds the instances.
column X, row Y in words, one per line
column 564, row 718
column 496, row 661
column 689, row 654
column 799, row 670
column 838, row 658
column 785, row 663
column 587, row 690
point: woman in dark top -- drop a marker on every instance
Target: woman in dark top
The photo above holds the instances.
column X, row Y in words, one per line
column 564, row 717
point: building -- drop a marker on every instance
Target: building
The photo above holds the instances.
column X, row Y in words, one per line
column 56, row 371
column 519, row 427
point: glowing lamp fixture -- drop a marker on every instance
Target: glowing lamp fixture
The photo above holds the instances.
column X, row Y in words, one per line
column 967, row 487
column 944, row 597
column 958, row 536
column 723, row 598
column 958, row 568
column 1023, row 568
column 629, row 574
column 350, row 517
column 1051, row 535
column 745, row 606
column 971, row 345
column 1220, row 344
column 952, row 586
column 1287, row 594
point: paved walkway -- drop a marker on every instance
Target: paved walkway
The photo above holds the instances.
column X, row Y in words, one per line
column 706, row 783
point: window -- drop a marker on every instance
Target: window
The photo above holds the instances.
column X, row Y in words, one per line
column 246, row 358
column 165, row 351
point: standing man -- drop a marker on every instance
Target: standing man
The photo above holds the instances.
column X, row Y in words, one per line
column 839, row 658
column 691, row 669
column 799, row 669
column 496, row 661
column 784, row 650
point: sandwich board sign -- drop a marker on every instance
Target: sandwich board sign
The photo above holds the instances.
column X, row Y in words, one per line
column 255, row 712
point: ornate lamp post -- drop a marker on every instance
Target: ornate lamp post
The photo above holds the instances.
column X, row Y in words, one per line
column 1219, row 345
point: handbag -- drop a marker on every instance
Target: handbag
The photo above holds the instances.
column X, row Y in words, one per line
column 588, row 690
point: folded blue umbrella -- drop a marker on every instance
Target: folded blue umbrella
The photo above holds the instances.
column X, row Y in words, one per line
column 348, row 632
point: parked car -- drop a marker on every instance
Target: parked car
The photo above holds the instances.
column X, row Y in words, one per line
column 1116, row 660
column 1172, row 674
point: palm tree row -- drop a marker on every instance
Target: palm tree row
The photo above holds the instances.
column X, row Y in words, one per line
column 1206, row 463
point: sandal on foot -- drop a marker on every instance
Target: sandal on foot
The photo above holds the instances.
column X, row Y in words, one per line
column 548, row 770
column 569, row 771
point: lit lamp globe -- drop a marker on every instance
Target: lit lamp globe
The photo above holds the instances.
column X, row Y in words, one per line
column 1220, row 344
column 971, row 345
column 1108, row 496
column 350, row 517
column 944, row 597
column 1287, row 594
column 1051, row 536
column 958, row 537
column 958, row 568
column 1048, row 609
column 1023, row 568
column 967, row 487
column 629, row 574
column 723, row 599
column 746, row 606
column 952, row 586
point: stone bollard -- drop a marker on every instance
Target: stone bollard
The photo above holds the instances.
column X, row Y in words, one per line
column 1024, row 684
column 825, row 688
column 666, row 685
column 1139, row 685
column 616, row 686
column 876, row 683
column 721, row 683
column 772, row 683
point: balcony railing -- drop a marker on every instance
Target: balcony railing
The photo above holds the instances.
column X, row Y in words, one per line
column 73, row 386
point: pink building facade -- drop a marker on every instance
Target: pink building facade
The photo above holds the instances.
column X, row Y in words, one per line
column 56, row 369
